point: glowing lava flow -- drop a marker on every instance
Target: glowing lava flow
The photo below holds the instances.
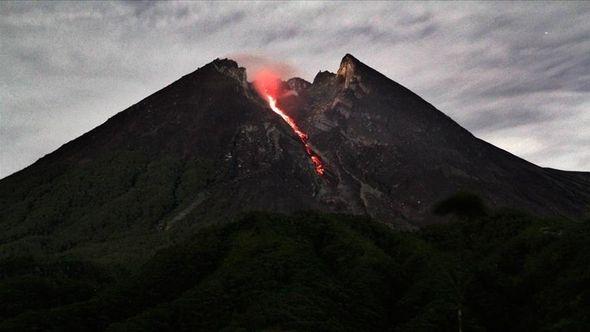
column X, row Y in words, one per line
column 315, row 159
column 268, row 85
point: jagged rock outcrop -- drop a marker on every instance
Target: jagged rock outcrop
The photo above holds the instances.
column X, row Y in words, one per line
column 298, row 85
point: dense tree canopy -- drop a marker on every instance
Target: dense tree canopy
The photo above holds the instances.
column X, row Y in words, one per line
column 499, row 271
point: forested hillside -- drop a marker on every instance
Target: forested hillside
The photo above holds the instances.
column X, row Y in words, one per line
column 483, row 271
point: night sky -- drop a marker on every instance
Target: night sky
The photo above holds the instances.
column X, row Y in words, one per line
column 515, row 74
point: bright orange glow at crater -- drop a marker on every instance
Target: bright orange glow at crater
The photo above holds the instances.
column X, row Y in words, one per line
column 268, row 86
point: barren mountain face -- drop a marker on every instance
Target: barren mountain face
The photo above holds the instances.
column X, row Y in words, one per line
column 211, row 145
column 391, row 155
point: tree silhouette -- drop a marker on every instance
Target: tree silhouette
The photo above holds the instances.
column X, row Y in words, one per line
column 463, row 205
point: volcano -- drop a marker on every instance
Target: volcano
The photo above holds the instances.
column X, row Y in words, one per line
column 210, row 146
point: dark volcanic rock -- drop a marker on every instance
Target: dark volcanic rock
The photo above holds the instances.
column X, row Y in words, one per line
column 298, row 85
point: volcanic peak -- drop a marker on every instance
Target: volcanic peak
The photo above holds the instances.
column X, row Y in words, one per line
column 231, row 69
column 323, row 77
column 298, row 84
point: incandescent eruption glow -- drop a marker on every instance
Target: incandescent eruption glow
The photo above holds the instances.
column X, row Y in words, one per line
column 268, row 86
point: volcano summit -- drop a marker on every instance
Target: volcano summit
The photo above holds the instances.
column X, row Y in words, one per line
column 211, row 145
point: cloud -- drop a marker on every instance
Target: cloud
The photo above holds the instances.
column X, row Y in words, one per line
column 515, row 74
column 255, row 63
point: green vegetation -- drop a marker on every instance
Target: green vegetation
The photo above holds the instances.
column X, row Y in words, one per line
column 489, row 271
column 109, row 209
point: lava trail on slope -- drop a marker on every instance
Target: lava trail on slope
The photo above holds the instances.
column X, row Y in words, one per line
column 318, row 164
column 268, row 86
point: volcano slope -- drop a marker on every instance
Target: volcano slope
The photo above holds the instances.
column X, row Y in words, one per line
column 208, row 147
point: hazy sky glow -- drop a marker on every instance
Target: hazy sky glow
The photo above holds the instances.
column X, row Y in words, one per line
column 515, row 74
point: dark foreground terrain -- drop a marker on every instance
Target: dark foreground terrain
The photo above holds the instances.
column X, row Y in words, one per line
column 494, row 271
